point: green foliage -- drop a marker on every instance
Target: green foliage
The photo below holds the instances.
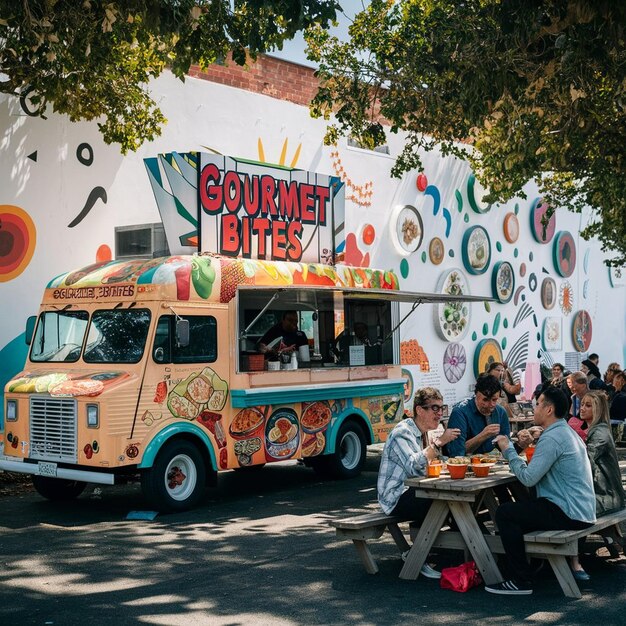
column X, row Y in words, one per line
column 523, row 89
column 92, row 59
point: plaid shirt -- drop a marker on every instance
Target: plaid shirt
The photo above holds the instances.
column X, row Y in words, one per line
column 403, row 457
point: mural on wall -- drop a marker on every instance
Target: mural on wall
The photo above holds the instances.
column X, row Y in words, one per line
column 432, row 228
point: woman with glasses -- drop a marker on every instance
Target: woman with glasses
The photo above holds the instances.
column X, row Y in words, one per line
column 607, row 478
column 407, row 454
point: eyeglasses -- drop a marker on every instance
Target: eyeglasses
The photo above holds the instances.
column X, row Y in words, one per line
column 435, row 408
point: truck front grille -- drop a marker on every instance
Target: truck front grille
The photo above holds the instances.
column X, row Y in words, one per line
column 53, row 429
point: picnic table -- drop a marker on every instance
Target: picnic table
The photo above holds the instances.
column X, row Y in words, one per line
column 461, row 498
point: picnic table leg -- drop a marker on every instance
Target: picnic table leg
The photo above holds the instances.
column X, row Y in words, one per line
column 475, row 541
column 564, row 575
column 424, row 541
column 366, row 556
column 398, row 537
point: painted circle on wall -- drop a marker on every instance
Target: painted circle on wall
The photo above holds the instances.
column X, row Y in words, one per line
column 476, row 250
column 452, row 318
column 407, row 229
column 581, row 331
column 454, row 362
column 503, row 281
column 475, row 194
column 511, row 227
column 18, row 238
column 436, row 251
column 543, row 233
column 564, row 254
column 409, row 385
column 548, row 293
column 488, row 351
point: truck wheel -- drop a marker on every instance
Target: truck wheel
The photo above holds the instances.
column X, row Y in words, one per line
column 177, row 479
column 349, row 457
column 58, row 489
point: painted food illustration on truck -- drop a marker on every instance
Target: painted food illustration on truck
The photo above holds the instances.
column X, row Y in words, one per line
column 312, row 445
column 246, row 449
column 315, row 416
column 247, row 423
column 65, row 384
column 197, row 392
column 282, row 434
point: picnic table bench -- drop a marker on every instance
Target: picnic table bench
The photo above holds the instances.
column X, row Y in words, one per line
column 553, row 545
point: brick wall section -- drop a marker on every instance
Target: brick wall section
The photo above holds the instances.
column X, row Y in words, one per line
column 269, row 76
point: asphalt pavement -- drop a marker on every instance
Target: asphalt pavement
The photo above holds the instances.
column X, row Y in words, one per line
column 258, row 551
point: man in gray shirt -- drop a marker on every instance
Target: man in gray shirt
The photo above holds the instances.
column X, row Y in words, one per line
column 561, row 473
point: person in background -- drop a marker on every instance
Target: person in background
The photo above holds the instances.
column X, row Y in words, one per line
column 594, row 378
column 577, row 382
column 607, row 478
column 609, row 375
column 406, row 454
column 283, row 337
column 561, row 474
column 558, row 378
column 595, row 359
column 618, row 401
column 505, row 376
column 480, row 419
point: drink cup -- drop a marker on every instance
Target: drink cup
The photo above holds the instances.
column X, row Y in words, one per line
column 304, row 354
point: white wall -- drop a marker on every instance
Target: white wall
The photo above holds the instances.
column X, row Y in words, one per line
column 53, row 190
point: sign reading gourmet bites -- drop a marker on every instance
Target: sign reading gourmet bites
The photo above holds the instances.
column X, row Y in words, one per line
column 254, row 210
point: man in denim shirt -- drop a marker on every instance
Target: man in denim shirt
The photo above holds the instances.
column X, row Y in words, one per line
column 479, row 419
column 561, row 473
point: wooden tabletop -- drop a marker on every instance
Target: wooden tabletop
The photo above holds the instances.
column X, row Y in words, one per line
column 469, row 484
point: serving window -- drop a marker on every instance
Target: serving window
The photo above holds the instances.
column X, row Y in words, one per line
column 341, row 331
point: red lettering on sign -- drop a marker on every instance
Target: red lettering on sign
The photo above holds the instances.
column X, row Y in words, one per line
column 268, row 190
column 307, row 203
column 232, row 191
column 279, row 240
column 246, row 248
column 251, row 195
column 229, row 235
column 211, row 194
column 261, row 226
column 323, row 197
column 294, row 247
column 288, row 206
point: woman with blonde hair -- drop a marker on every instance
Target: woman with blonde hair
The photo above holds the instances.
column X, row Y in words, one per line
column 607, row 478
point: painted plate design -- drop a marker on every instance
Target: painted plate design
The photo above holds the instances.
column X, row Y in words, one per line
column 543, row 233
column 503, row 281
column 475, row 195
column 581, row 331
column 407, row 229
column 409, row 385
column 564, row 253
column 511, row 227
column 452, row 318
column 454, row 362
column 476, row 250
column 436, row 251
column 548, row 293
column 488, row 351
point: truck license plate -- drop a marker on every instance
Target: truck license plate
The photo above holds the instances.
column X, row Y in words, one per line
column 47, row 469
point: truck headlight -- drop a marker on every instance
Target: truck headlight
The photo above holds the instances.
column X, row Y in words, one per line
column 11, row 410
column 93, row 416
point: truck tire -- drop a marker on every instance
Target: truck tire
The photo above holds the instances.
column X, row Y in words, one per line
column 349, row 457
column 177, row 479
column 58, row 489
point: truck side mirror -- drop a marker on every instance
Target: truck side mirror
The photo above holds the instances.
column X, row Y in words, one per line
column 30, row 329
column 182, row 333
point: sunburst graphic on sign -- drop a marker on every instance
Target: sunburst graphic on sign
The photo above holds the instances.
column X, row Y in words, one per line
column 283, row 154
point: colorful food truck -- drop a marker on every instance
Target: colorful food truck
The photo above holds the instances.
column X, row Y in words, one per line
column 153, row 368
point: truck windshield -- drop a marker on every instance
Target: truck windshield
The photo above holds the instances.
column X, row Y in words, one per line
column 59, row 336
column 117, row 336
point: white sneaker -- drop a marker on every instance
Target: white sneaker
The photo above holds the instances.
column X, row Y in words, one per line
column 427, row 571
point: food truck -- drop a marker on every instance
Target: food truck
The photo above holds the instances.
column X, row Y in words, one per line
column 153, row 368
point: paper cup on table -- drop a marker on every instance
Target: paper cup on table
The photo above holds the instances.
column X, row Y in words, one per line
column 303, row 354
